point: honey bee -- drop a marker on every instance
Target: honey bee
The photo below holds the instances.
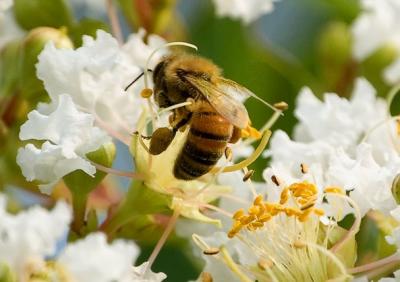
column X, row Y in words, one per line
column 215, row 117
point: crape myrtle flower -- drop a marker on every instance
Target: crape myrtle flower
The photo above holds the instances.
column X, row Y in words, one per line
column 283, row 239
column 354, row 143
column 30, row 235
column 68, row 134
column 28, row 250
column 247, row 11
column 376, row 26
column 96, row 74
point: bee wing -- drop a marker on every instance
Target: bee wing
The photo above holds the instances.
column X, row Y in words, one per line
column 240, row 92
column 227, row 105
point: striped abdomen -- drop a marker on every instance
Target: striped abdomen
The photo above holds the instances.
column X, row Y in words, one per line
column 206, row 142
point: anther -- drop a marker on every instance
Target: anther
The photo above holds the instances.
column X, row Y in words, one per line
column 211, row 251
column 307, row 206
column 282, row 106
column 276, row 180
column 238, row 214
column 228, row 153
column 264, row 264
column 247, row 219
column 319, row 212
column 299, row 244
column 248, row 175
column 254, row 210
column 304, row 168
column 333, row 189
column 206, row 277
column 258, row 200
column 146, row 93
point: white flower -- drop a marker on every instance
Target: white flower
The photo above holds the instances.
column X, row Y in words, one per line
column 69, row 135
column 377, row 26
column 94, row 260
column 5, row 4
column 95, row 76
column 141, row 273
column 247, row 11
column 31, row 234
column 336, row 120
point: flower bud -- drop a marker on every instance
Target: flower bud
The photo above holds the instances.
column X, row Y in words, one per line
column 34, row 13
column 8, row 68
column 31, row 47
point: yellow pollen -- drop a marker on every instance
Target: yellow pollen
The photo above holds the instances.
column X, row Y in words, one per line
column 238, row 214
column 304, row 195
column 398, row 126
column 251, row 132
column 334, row 189
column 284, row 196
column 258, row 200
column 146, row 93
column 319, row 212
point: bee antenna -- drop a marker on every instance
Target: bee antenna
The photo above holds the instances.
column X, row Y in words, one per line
column 146, row 74
column 136, row 79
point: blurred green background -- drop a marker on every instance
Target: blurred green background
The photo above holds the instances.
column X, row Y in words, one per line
column 301, row 43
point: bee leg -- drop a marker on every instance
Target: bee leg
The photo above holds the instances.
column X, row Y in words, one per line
column 161, row 139
column 236, row 135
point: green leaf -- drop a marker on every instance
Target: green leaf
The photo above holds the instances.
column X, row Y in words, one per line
column 34, row 13
column 86, row 27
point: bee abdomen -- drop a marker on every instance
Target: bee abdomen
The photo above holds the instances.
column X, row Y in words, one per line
column 206, row 142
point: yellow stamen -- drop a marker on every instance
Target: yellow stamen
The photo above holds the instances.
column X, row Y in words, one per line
column 251, row 132
column 335, row 190
column 257, row 152
column 238, row 214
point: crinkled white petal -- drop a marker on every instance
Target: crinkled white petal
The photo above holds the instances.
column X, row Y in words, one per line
column 247, row 11
column 95, row 76
column 94, row 260
column 370, row 183
column 5, row 4
column 336, row 120
column 31, row 234
column 142, row 274
column 69, row 136
column 375, row 27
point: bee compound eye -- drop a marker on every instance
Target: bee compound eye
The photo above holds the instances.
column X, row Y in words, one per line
column 160, row 140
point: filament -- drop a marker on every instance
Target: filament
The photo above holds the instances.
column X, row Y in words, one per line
column 233, row 266
column 115, row 26
column 354, row 228
column 376, row 264
column 257, row 152
column 163, row 238
column 117, row 172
